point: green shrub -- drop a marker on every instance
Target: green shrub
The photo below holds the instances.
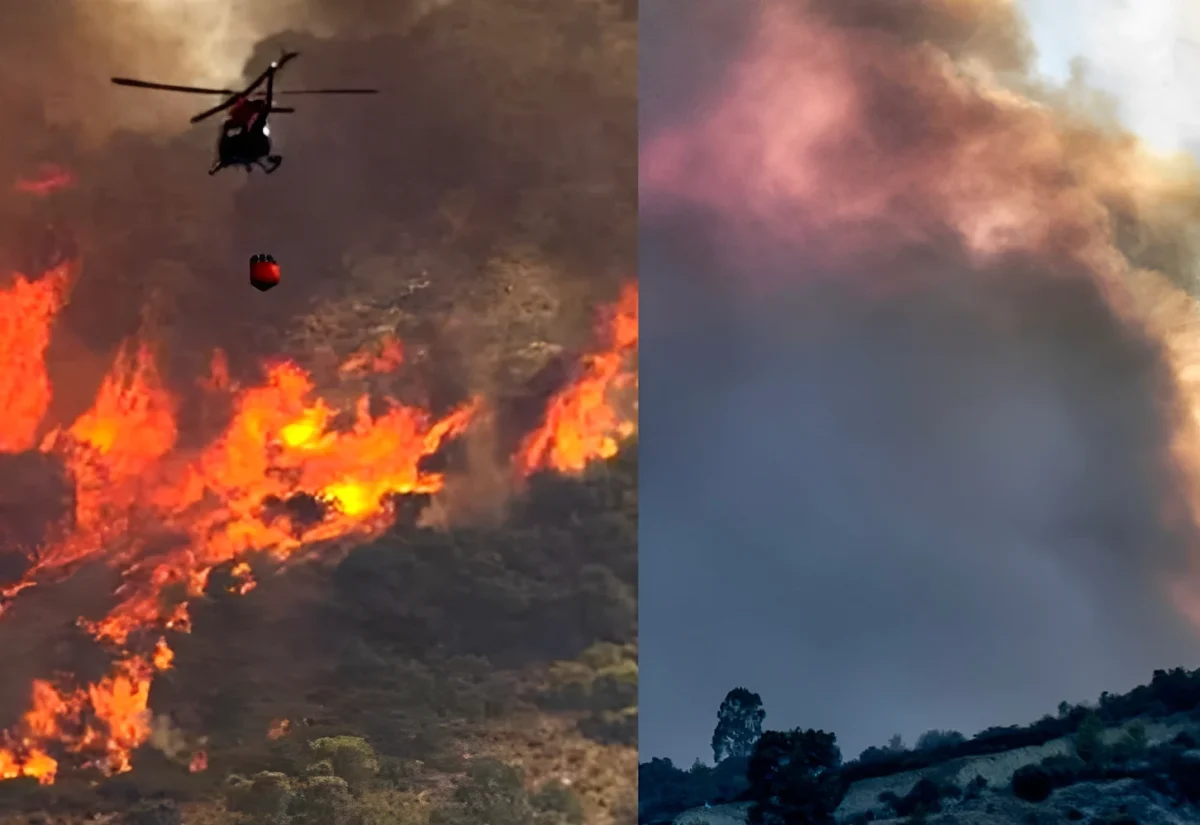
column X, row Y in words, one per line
column 492, row 793
column 392, row 807
column 265, row 797
column 322, row 767
column 350, row 758
column 1032, row 784
column 925, row 797
column 400, row 774
column 1089, row 743
column 556, row 804
column 1132, row 743
column 325, row 800
column 975, row 788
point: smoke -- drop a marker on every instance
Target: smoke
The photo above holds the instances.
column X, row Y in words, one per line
column 943, row 474
column 173, row 742
column 503, row 143
column 62, row 54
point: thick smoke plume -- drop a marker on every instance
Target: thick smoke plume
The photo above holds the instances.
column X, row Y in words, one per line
column 940, row 314
column 492, row 180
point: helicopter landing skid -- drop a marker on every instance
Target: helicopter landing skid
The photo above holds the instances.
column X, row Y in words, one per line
column 271, row 163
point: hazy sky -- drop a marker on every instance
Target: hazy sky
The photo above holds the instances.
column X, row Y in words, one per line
column 884, row 510
column 1146, row 53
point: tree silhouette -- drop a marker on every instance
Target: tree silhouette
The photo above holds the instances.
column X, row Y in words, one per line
column 1089, row 738
column 794, row 778
column 932, row 740
column 739, row 724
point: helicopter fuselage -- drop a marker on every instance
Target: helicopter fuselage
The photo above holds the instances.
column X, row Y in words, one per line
column 245, row 138
column 242, row 146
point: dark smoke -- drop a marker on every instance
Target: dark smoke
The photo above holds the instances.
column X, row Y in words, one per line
column 907, row 451
column 483, row 202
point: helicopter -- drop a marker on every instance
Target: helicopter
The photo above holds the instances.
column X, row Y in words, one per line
column 245, row 138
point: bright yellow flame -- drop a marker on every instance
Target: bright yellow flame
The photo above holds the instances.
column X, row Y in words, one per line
column 304, row 432
column 352, row 499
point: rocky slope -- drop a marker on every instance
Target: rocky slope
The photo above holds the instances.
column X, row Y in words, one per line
column 1123, row 802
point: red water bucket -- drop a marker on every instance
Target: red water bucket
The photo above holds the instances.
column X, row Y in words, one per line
column 264, row 272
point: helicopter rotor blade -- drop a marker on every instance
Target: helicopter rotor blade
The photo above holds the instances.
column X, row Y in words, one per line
column 285, row 58
column 220, row 107
column 276, row 65
column 235, row 96
column 328, row 92
column 170, row 87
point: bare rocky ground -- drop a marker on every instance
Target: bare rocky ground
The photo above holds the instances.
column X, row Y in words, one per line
column 1110, row 803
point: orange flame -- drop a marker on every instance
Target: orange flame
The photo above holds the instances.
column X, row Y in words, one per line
column 226, row 500
column 581, row 423
column 50, row 179
column 279, row 728
column 27, row 310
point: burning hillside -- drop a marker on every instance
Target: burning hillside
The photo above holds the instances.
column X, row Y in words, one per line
column 168, row 441
column 163, row 516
